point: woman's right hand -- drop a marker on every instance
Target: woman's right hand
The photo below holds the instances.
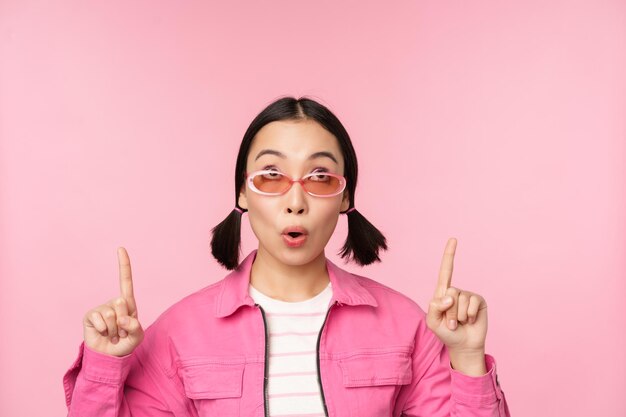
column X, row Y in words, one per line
column 113, row 328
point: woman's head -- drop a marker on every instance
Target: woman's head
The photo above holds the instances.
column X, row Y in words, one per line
column 291, row 149
column 297, row 129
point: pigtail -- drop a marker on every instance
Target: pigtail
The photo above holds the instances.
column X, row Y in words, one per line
column 226, row 240
column 364, row 241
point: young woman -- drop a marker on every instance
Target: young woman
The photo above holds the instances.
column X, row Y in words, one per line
column 289, row 333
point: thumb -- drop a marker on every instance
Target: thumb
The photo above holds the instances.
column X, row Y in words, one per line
column 130, row 324
column 436, row 310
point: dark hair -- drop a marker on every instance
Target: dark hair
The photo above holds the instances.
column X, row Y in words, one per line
column 363, row 242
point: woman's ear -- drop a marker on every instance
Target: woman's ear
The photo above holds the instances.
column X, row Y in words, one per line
column 345, row 203
column 242, row 200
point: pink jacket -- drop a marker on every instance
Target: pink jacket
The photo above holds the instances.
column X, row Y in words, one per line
column 205, row 356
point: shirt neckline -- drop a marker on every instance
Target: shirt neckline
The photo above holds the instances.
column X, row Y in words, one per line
column 256, row 294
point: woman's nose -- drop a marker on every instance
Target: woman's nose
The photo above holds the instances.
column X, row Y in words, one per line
column 296, row 199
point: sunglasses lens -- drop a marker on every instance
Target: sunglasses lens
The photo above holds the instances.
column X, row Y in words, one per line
column 321, row 184
column 273, row 182
column 277, row 183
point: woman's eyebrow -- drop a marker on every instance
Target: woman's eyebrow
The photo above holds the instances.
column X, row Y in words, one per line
column 282, row 155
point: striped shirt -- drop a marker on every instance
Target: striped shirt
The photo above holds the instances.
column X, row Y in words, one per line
column 293, row 328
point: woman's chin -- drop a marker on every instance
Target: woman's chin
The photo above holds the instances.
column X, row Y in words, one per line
column 295, row 256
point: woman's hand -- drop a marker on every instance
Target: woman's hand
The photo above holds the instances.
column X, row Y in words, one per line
column 458, row 317
column 112, row 328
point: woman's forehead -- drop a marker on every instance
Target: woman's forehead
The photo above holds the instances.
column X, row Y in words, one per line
column 297, row 140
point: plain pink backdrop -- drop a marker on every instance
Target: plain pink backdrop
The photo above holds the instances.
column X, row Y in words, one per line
column 499, row 123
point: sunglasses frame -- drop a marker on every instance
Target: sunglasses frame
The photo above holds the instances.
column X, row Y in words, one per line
column 250, row 178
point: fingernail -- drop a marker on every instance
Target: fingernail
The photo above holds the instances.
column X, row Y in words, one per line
column 115, row 339
column 452, row 324
column 123, row 321
column 471, row 320
column 123, row 333
column 447, row 300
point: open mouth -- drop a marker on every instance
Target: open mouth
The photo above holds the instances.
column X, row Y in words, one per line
column 294, row 239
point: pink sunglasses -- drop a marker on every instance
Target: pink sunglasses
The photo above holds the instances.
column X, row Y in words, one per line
column 318, row 184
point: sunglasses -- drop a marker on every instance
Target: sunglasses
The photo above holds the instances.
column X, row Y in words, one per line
column 318, row 184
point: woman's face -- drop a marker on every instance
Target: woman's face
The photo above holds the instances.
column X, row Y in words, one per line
column 291, row 145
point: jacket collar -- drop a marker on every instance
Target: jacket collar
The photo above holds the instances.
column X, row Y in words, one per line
column 234, row 289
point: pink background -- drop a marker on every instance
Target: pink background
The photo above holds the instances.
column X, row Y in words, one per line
column 501, row 124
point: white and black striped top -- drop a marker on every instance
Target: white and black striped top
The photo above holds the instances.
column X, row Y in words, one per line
column 293, row 329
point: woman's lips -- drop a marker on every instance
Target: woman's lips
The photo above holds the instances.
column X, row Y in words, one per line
column 297, row 229
column 294, row 242
column 294, row 236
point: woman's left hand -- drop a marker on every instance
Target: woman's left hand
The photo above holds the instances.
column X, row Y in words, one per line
column 461, row 323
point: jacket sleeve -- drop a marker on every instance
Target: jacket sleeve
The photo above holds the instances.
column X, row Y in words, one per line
column 107, row 386
column 438, row 390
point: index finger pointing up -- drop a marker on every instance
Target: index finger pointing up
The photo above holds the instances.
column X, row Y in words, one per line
column 445, row 272
column 126, row 281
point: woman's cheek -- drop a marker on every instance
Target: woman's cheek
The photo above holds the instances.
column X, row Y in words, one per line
column 329, row 225
column 260, row 226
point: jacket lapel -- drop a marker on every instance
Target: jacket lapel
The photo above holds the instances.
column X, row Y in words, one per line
column 234, row 288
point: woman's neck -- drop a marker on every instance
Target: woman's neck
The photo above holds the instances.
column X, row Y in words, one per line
column 289, row 283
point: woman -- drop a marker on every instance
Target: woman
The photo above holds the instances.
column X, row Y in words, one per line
column 287, row 332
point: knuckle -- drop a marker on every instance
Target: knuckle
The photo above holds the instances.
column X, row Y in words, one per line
column 478, row 299
column 108, row 313
column 135, row 325
column 120, row 303
column 102, row 307
column 453, row 291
